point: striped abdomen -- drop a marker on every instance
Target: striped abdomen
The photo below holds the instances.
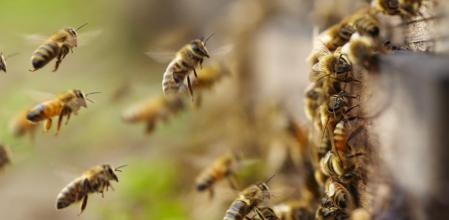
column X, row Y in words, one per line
column 72, row 193
column 209, row 178
column 340, row 136
column 44, row 111
column 175, row 74
column 44, row 54
column 238, row 210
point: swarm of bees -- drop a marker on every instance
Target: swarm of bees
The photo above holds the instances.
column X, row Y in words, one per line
column 340, row 56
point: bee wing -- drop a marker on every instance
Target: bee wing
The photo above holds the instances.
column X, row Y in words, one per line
column 223, row 50
column 161, row 56
column 35, row 39
column 87, row 37
column 39, row 96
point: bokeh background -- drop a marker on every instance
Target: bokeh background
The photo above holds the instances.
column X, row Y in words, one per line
column 273, row 38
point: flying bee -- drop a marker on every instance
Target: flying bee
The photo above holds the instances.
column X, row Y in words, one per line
column 3, row 59
column 62, row 105
column 4, row 156
column 56, row 46
column 152, row 110
column 209, row 75
column 187, row 59
column 95, row 180
column 21, row 125
column 294, row 210
column 223, row 167
column 248, row 200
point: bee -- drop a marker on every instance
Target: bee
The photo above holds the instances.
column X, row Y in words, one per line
column 150, row 111
column 362, row 50
column 264, row 213
column 3, row 59
column 209, row 75
column 95, row 180
column 248, row 200
column 339, row 195
column 335, row 110
column 187, row 59
column 389, row 7
column 335, row 213
column 312, row 100
column 62, row 105
column 21, row 125
column 403, row 8
column 223, row 167
column 4, row 156
column 294, row 210
column 341, row 168
column 57, row 46
column 340, row 136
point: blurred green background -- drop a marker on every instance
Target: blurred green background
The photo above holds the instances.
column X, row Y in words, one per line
column 159, row 180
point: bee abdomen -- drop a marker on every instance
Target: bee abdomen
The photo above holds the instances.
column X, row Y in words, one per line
column 37, row 113
column 205, row 182
column 237, row 211
column 70, row 194
column 44, row 54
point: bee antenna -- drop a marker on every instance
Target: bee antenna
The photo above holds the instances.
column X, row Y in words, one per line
column 90, row 100
column 207, row 38
column 91, row 93
column 270, row 178
column 11, row 55
column 81, row 26
column 121, row 166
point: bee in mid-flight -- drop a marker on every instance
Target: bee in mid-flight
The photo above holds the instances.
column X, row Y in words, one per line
column 21, row 125
column 56, row 46
column 4, row 156
column 3, row 59
column 62, row 105
column 249, row 199
column 223, row 167
column 152, row 110
column 187, row 59
column 95, row 180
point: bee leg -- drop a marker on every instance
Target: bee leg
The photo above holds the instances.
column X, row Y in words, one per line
column 61, row 55
column 83, row 204
column 60, row 118
column 47, row 124
column 194, row 73
column 259, row 213
column 232, row 182
column 211, row 193
column 190, row 87
column 68, row 117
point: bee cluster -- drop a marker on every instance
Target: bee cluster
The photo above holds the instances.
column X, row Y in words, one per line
column 334, row 153
column 343, row 59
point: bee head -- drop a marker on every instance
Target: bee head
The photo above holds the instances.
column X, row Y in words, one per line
column 81, row 98
column 110, row 172
column 198, row 47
